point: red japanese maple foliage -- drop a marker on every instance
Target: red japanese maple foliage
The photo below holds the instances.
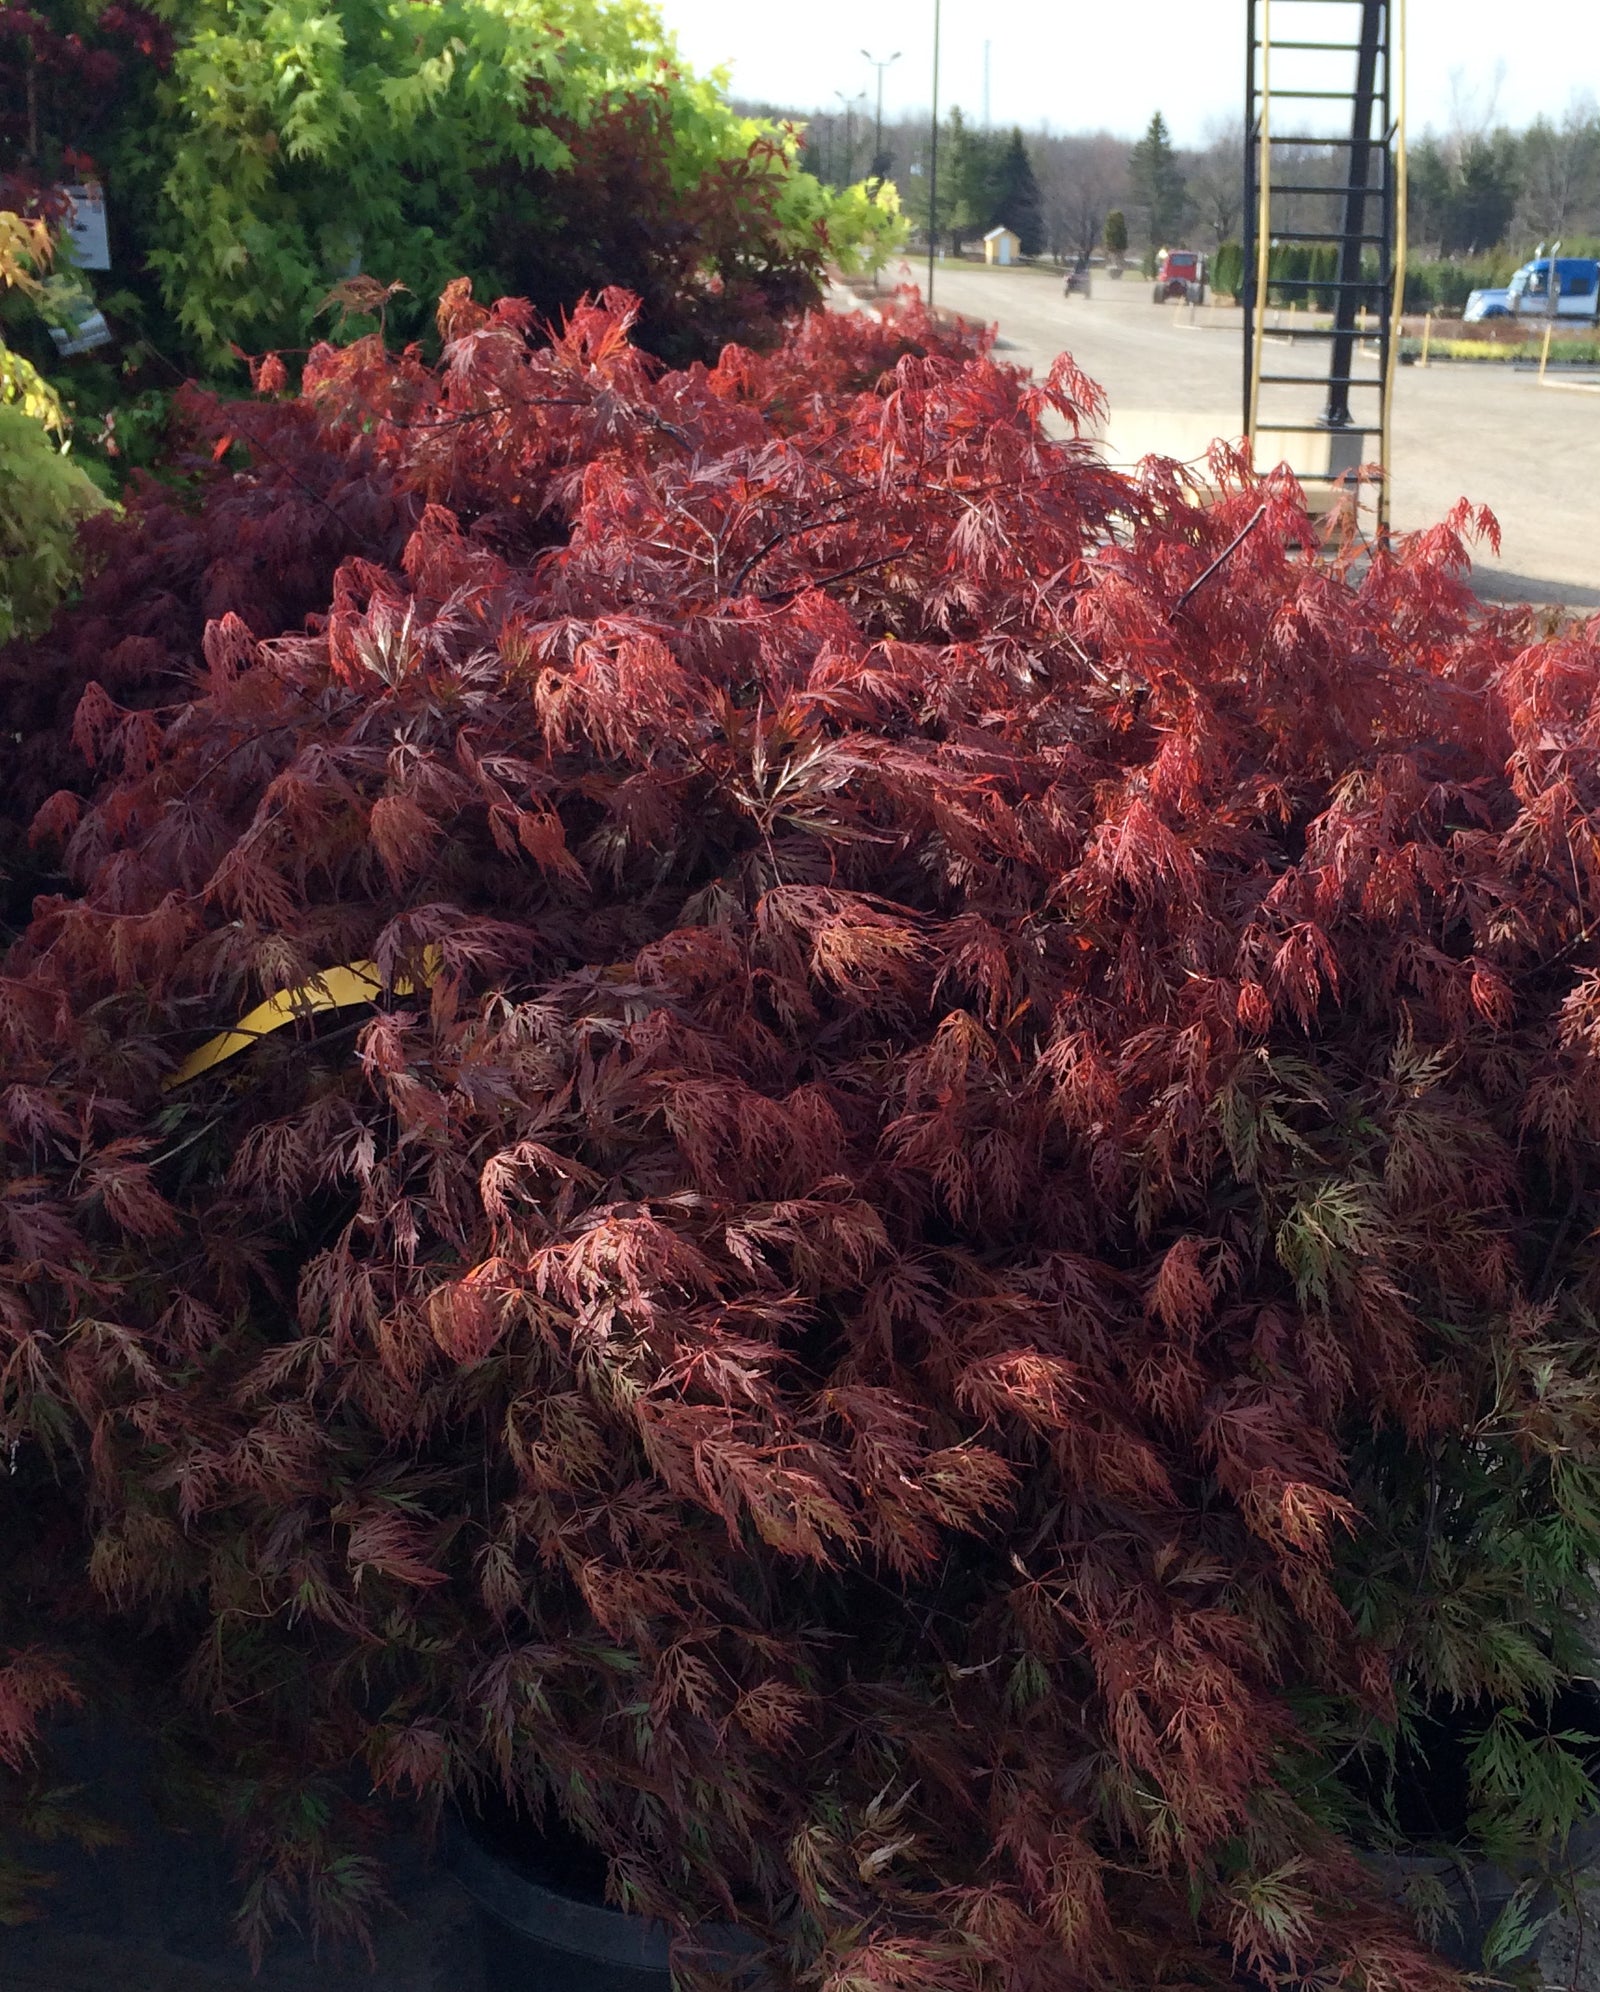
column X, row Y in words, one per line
column 61, row 71
column 260, row 541
column 970, row 1045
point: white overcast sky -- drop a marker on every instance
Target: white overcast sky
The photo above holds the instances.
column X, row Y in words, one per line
column 1087, row 64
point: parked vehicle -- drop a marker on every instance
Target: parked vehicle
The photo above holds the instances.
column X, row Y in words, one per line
column 1483, row 304
column 1577, row 288
column 1181, row 274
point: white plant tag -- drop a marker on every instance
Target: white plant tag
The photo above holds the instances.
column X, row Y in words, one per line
column 86, row 225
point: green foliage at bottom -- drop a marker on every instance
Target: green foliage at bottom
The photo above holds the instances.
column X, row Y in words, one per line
column 1499, row 352
column 44, row 496
column 1227, row 270
column 1446, row 284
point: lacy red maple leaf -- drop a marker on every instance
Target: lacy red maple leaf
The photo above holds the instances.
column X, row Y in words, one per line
column 980, row 1088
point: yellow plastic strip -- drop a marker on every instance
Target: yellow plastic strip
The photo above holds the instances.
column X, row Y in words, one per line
column 330, row 989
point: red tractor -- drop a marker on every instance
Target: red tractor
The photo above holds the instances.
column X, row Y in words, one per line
column 1181, row 274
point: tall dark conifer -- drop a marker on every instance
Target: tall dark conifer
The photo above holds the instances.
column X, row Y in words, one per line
column 1018, row 202
column 1158, row 183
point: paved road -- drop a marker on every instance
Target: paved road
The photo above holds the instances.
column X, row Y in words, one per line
column 1531, row 454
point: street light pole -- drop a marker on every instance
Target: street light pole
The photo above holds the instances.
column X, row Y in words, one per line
column 933, row 160
column 849, row 131
column 879, row 65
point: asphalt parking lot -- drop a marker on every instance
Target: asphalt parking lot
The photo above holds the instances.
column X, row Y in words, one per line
column 1486, row 432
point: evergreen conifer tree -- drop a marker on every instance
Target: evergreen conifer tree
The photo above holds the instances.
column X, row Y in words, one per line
column 1158, row 183
column 974, row 179
column 1018, row 203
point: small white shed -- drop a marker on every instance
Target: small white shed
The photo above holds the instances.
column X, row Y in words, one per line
column 1001, row 245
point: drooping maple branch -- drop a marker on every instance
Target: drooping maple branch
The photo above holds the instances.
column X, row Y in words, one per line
column 829, row 580
column 1221, row 560
column 778, row 539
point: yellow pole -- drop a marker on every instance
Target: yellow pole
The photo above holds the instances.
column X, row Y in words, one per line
column 1427, row 337
column 1544, row 357
column 1398, row 49
column 1263, row 223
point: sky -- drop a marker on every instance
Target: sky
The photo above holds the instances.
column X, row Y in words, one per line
column 1108, row 64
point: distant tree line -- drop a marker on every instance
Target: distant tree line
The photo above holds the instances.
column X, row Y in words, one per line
column 1476, row 189
column 1473, row 191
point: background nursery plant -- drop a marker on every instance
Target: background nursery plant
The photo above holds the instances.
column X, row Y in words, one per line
column 44, row 496
column 919, row 1213
column 254, row 154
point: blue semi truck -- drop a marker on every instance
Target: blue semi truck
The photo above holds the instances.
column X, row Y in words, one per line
column 1528, row 295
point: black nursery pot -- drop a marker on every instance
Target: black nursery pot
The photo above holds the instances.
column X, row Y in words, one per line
column 545, row 1923
column 1431, row 1806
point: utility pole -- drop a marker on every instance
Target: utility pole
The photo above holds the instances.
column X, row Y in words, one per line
column 849, row 133
column 879, row 171
column 933, row 162
column 986, row 48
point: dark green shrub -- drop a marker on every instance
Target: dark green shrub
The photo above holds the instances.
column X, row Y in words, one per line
column 257, row 154
column 1227, row 270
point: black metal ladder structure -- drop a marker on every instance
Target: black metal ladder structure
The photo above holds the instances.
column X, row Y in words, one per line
column 1325, row 168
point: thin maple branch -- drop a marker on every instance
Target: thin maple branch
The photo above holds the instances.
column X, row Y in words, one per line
column 777, row 540
column 828, row 580
column 475, row 414
column 1221, row 560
